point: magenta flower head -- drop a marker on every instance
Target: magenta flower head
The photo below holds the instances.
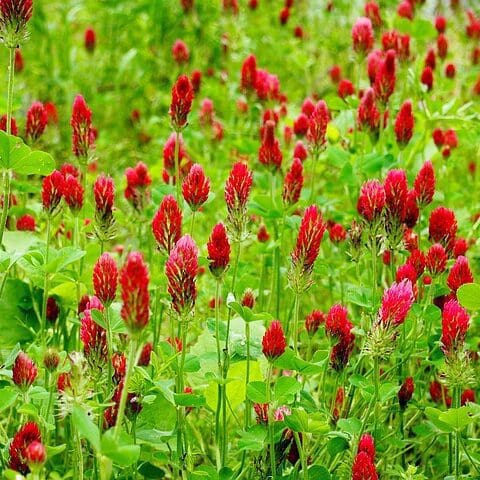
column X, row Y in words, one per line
column 167, row 224
column 237, row 192
column 218, row 250
column 317, row 126
column 182, row 98
column 274, row 342
column 83, row 133
column 27, row 435
column 384, row 84
column 307, row 247
column 362, row 36
column 396, row 303
column 36, row 121
column 24, row 371
column 459, row 274
column 371, row 201
column 14, row 16
column 73, row 194
column 105, row 278
column 195, row 187
column 293, row 183
column 52, row 191
column 404, row 124
column 455, row 323
column 35, row 455
column 134, row 279
column 181, row 270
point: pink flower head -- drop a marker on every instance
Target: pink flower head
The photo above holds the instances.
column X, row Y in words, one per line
column 83, row 133
column 404, row 123
column 218, row 248
column 134, row 280
column 309, row 238
column 35, row 454
column 396, row 192
column 167, row 224
column 396, row 303
column 455, row 323
column 367, row 445
column 180, row 52
column 249, row 74
column 362, row 35
column 371, row 201
column 182, row 98
column 368, row 117
column 36, row 121
column 105, row 278
column 274, row 342
column 181, row 270
column 24, row 371
column 293, row 183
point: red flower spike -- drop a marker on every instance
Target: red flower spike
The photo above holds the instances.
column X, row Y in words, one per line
column 317, row 125
column 180, row 52
column 263, row 236
column 367, row 445
column 404, row 124
column 468, row 396
column 372, row 11
column 28, row 434
column 249, row 74
column 274, row 342
column 459, row 274
column 248, row 299
column 53, row 310
column 138, row 181
column 134, row 280
column 337, row 324
column 396, row 192
column 181, row 270
column 105, row 278
column 169, row 159
column 427, row 78
column 337, row 233
column 182, row 98
column 300, row 126
column 405, row 10
column 167, row 224
column 345, row 88
column 35, row 454
column 300, row 151
column 52, row 191
column 406, row 272
column 313, row 321
column 405, row 393
column 363, row 468
column 385, row 78
column 83, row 134
column 94, row 338
column 26, row 223
column 24, row 371
column 218, row 248
column 293, row 183
column 412, row 211
column 460, row 247
column 144, row 360
column 442, row 227
column 368, row 117
column 309, row 238
column 455, row 323
column 362, row 36
column 73, row 193
column 425, row 184
column 13, row 125
column 442, row 46
column 396, row 303
column 14, row 16
column 436, row 259
column 441, row 24
column 371, row 201
column 270, row 153
column 36, row 121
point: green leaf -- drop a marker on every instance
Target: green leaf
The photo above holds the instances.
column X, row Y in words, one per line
column 352, row 425
column 189, row 400
column 7, row 397
column 253, row 439
column 121, row 451
column 35, row 163
column 433, row 414
column 319, row 473
column 285, row 389
column 469, row 296
column 458, row 418
column 257, row 392
column 85, row 426
column 297, row 420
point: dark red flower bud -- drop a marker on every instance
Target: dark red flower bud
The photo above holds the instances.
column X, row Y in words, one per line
column 427, row 78
column 442, row 227
column 144, row 360
column 262, row 235
column 404, row 123
column 442, row 46
column 248, row 299
column 345, row 88
column 367, row 445
column 406, row 392
column 52, row 191
column 180, row 52
column 385, row 78
column 36, row 121
column 51, row 360
column 293, row 183
column 167, row 224
column 218, row 248
column 313, row 321
column 425, row 184
column 182, row 98
column 24, row 371
column 249, row 74
column 90, row 40
column 455, row 323
column 26, row 223
column 53, row 310
column 441, row 24
column 29, row 433
column 270, row 153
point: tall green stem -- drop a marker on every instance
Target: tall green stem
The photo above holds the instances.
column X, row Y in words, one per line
column 376, row 368
column 271, row 427
column 220, row 389
column 457, row 401
column 181, row 445
column 177, row 166
column 131, row 360
column 109, row 340
column 43, row 326
column 296, row 313
column 6, row 171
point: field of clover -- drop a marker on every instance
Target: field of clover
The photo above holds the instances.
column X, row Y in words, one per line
column 239, row 239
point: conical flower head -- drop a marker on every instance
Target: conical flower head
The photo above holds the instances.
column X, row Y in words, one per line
column 105, row 278
column 104, row 195
column 436, row 259
column 36, row 121
column 195, row 187
column 73, row 193
column 362, row 35
column 181, row 270
column 52, row 191
column 218, row 248
column 182, row 98
column 167, row 224
column 455, row 323
column 371, row 201
column 134, row 281
column 406, row 392
column 317, row 126
column 29, row 433
column 274, row 342
column 404, row 123
column 270, row 153
column 396, row 303
column 293, row 183
column 459, row 274
column 83, row 134
column 396, row 192
column 24, row 371
column 14, row 16
column 425, row 184
column 363, row 468
column 385, row 78
column 442, row 227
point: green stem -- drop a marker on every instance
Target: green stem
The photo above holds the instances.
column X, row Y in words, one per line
column 271, row 427
column 181, row 446
column 131, row 360
column 109, row 341
column 247, row 377
column 374, row 267
column 177, row 167
column 43, row 326
column 303, row 460
column 6, row 172
column 296, row 313
column 192, row 223
column 376, row 368
column 457, row 401
column 220, row 390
